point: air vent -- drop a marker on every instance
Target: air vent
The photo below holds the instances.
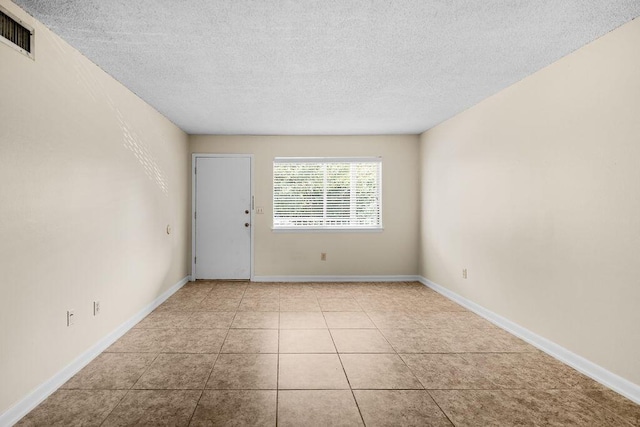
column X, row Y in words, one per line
column 15, row 34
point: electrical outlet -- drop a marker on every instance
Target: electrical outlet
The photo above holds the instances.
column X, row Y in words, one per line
column 323, row 256
column 96, row 308
column 71, row 317
column 259, row 211
column 464, row 273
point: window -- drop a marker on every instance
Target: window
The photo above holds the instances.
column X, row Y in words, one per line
column 327, row 193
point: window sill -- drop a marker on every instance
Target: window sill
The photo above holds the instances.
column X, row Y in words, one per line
column 326, row 230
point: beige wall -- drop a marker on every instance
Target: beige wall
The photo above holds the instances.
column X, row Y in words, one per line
column 536, row 191
column 90, row 176
column 391, row 252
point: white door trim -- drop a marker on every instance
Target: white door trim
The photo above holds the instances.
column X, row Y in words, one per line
column 194, row 157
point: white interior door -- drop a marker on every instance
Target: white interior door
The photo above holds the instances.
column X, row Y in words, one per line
column 222, row 218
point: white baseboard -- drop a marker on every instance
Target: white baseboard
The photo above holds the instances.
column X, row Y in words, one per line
column 33, row 399
column 399, row 278
column 590, row 369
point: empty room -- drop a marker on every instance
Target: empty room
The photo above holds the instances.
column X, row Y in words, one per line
column 308, row 213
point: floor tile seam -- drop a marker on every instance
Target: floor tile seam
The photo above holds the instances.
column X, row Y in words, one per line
column 190, row 352
column 300, row 311
column 485, row 353
column 607, row 408
column 412, row 371
column 300, row 296
column 114, row 407
column 146, row 369
column 502, row 391
column 452, row 350
column 433, row 399
column 495, row 388
column 368, row 352
column 448, row 352
column 172, row 389
column 351, row 327
column 374, row 324
column 462, row 389
column 476, row 366
column 130, row 388
column 394, row 389
column 356, row 389
column 248, row 352
column 185, row 354
column 255, row 327
column 278, row 371
column 388, row 389
column 407, row 366
column 389, row 343
column 344, row 371
column 175, row 328
column 219, row 352
column 242, row 389
column 309, row 352
column 333, row 341
column 94, row 388
column 197, row 403
column 310, row 389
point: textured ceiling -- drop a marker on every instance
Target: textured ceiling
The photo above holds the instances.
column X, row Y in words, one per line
column 323, row 67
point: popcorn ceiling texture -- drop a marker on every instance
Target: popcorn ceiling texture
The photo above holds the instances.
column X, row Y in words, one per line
column 323, row 67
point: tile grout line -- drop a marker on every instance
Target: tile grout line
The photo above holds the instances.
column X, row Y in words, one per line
column 278, row 361
column 605, row 407
column 216, row 359
column 400, row 357
column 146, row 369
column 344, row 371
column 439, row 407
column 410, row 370
column 129, row 389
column 214, row 364
column 579, row 392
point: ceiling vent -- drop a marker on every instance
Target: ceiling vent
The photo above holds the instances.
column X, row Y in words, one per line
column 15, row 33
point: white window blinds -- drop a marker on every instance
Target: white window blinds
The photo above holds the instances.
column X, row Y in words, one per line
column 330, row 193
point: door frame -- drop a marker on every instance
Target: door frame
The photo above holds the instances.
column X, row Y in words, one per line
column 194, row 157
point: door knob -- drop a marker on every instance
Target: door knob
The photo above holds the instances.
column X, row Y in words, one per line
column 246, row 224
column 247, row 212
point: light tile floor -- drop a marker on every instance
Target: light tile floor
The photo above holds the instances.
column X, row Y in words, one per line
column 375, row 354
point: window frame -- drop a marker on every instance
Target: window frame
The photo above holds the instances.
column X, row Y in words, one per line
column 328, row 229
